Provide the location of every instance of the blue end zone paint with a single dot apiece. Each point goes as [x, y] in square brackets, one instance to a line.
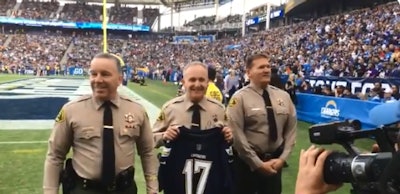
[11, 94]
[36, 108]
[37, 104]
[36, 98]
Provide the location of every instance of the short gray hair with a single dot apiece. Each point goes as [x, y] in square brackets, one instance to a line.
[112, 57]
[192, 64]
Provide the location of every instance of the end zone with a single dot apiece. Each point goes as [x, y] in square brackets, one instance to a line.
[20, 104]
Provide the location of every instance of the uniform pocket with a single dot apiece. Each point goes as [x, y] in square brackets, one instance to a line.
[129, 132]
[257, 112]
[256, 116]
[88, 133]
[282, 111]
[127, 138]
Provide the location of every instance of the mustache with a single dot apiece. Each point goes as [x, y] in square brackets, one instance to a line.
[99, 85]
[197, 88]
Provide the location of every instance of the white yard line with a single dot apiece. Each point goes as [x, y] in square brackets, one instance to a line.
[22, 142]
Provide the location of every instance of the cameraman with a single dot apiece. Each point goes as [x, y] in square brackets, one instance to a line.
[310, 178]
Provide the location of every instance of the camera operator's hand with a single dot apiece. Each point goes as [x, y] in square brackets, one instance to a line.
[375, 148]
[310, 178]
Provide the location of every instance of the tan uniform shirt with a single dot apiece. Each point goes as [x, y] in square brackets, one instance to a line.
[80, 125]
[178, 112]
[247, 117]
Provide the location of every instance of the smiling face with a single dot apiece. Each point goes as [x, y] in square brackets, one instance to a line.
[195, 81]
[104, 78]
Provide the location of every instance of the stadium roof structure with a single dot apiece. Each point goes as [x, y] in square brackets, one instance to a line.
[141, 2]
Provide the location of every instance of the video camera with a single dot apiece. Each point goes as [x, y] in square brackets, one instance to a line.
[369, 173]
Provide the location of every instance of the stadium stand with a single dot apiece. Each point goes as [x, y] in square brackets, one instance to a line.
[6, 6]
[81, 12]
[31, 9]
[123, 15]
[361, 43]
[3, 38]
[149, 15]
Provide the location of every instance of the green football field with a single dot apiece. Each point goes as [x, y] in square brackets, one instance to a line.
[21, 161]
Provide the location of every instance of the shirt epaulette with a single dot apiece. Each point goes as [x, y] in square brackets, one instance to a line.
[131, 100]
[273, 87]
[212, 100]
[175, 100]
[127, 98]
[79, 99]
[178, 99]
[82, 98]
[241, 90]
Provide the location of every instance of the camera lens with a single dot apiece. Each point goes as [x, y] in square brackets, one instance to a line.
[342, 168]
[337, 168]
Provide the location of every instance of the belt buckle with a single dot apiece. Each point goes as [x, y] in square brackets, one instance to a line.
[111, 187]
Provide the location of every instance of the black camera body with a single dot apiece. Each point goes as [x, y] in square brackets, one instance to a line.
[369, 173]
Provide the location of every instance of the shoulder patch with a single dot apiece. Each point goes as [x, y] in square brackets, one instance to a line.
[233, 101]
[61, 116]
[161, 116]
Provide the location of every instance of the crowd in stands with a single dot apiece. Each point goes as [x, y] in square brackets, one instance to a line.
[80, 11]
[6, 6]
[124, 15]
[363, 43]
[38, 10]
[211, 20]
[84, 48]
[203, 20]
[34, 51]
[149, 15]
[197, 3]
[3, 38]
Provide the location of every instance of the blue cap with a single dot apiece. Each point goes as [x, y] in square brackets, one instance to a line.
[385, 114]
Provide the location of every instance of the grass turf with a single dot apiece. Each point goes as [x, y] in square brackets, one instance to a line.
[21, 165]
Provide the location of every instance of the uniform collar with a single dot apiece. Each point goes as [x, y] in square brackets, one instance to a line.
[98, 103]
[189, 104]
[258, 89]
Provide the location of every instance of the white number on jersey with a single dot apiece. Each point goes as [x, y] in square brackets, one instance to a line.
[194, 166]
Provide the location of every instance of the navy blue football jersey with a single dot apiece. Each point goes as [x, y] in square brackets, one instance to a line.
[197, 162]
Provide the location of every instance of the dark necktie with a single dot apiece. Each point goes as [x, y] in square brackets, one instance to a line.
[196, 117]
[108, 166]
[273, 134]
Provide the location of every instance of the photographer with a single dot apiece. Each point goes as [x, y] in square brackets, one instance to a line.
[310, 176]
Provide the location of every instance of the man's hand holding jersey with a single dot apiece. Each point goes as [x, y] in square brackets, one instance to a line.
[227, 134]
[171, 133]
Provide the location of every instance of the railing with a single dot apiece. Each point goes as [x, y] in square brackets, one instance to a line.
[223, 26]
